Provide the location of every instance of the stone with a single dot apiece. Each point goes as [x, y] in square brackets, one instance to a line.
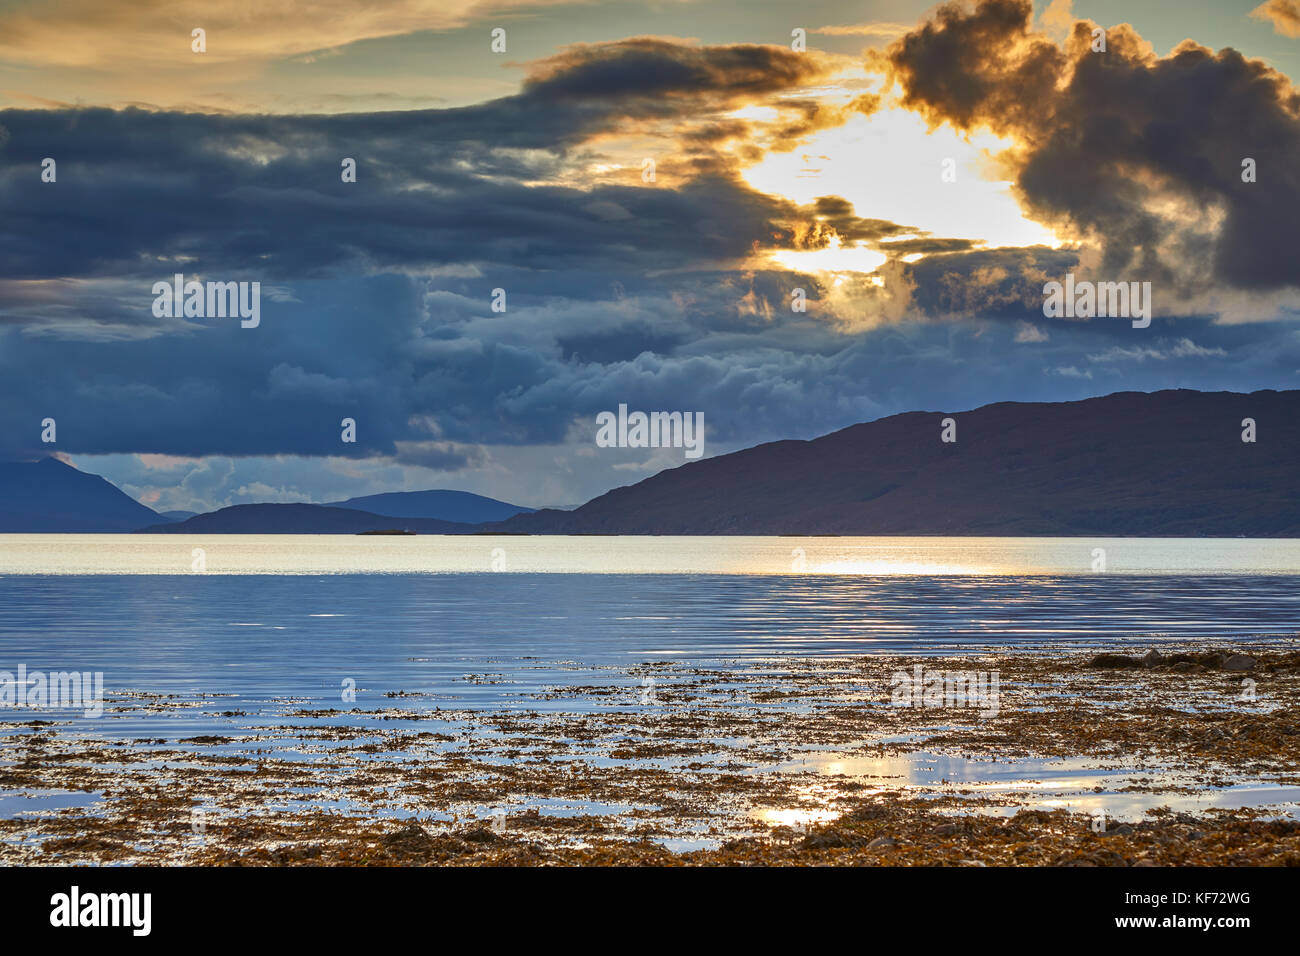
[1113, 661]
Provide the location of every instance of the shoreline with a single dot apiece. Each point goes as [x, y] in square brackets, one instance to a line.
[789, 761]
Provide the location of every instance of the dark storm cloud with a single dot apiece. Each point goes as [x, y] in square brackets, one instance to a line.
[231, 199]
[839, 214]
[376, 294]
[434, 186]
[648, 75]
[1138, 152]
[930, 246]
[596, 277]
[990, 283]
[375, 301]
[428, 374]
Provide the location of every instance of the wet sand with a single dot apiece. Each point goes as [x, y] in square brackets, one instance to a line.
[1085, 760]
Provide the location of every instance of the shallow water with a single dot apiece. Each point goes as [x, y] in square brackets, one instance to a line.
[265, 644]
[501, 640]
[274, 626]
[1076, 784]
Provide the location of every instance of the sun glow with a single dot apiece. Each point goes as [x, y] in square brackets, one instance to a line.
[797, 817]
[896, 567]
[891, 167]
[835, 258]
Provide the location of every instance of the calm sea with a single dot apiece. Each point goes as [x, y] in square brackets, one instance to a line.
[278, 621]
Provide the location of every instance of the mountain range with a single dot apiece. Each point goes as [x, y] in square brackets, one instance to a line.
[50, 495]
[1169, 463]
[461, 506]
[302, 519]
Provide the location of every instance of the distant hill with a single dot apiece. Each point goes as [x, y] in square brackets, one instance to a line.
[177, 515]
[1168, 463]
[51, 496]
[459, 506]
[300, 519]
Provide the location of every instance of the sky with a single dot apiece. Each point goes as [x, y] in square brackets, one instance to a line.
[648, 185]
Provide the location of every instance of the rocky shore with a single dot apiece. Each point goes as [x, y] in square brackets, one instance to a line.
[1169, 755]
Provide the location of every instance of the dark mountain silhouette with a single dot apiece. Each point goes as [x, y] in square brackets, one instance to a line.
[51, 496]
[300, 519]
[177, 515]
[1168, 463]
[460, 506]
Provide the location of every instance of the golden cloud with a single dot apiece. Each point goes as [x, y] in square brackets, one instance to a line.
[1283, 14]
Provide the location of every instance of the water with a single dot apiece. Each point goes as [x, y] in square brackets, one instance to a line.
[429, 554]
[278, 625]
[457, 638]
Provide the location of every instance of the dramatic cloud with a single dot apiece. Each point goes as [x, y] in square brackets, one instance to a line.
[377, 294]
[1283, 14]
[671, 291]
[658, 75]
[1141, 156]
[434, 187]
